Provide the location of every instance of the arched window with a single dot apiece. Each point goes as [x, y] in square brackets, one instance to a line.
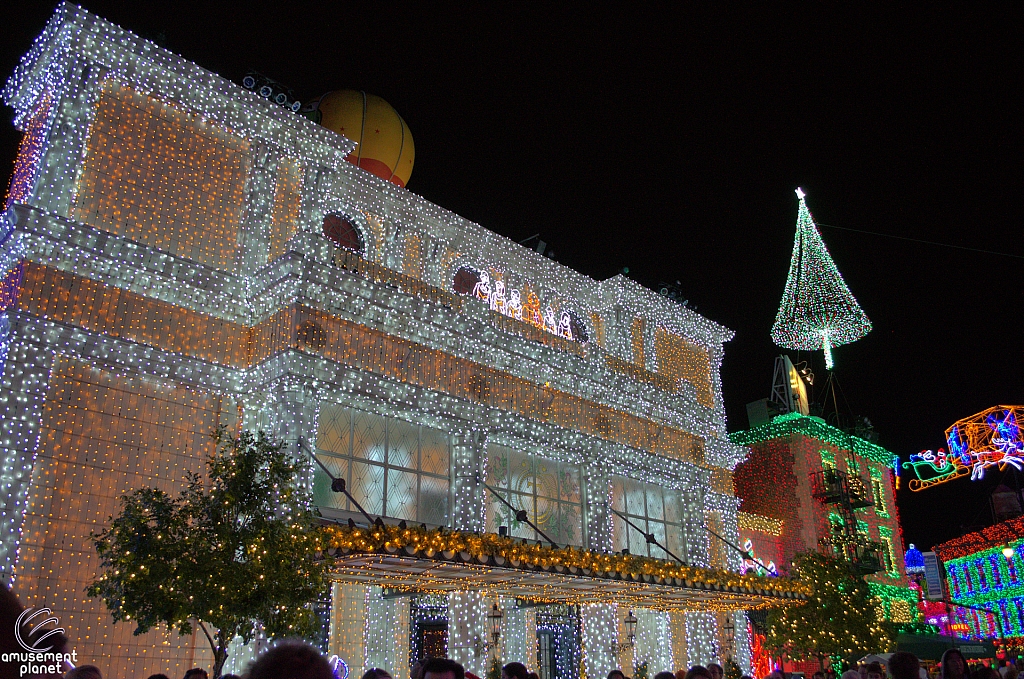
[579, 329]
[343, 233]
[311, 335]
[465, 281]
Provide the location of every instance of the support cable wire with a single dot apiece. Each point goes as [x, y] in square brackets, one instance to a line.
[919, 240]
[649, 537]
[520, 514]
[337, 484]
[742, 552]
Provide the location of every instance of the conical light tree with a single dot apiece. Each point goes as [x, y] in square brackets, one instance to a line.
[817, 311]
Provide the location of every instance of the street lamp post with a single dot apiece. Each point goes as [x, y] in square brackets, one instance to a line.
[495, 617]
[730, 635]
[630, 622]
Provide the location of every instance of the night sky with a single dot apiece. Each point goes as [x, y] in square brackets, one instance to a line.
[671, 143]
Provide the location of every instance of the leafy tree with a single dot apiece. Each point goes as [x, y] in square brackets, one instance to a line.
[235, 555]
[839, 619]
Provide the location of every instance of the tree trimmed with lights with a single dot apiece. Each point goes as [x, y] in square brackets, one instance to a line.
[838, 620]
[235, 555]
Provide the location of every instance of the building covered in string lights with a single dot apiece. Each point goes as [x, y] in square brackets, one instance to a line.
[814, 487]
[178, 253]
[985, 573]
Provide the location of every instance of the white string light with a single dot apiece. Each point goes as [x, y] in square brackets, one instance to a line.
[82, 67]
[701, 638]
[600, 636]
[468, 632]
[653, 641]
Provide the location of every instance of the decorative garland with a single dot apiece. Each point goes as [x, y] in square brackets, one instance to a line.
[385, 538]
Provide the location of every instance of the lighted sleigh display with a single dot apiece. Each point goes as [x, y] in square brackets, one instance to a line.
[992, 438]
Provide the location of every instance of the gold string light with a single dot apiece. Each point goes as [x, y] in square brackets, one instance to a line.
[67, 298]
[390, 539]
[191, 185]
[761, 524]
[286, 213]
[163, 177]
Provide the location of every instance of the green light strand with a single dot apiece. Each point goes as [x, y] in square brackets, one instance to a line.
[890, 593]
[1007, 589]
[815, 428]
[984, 553]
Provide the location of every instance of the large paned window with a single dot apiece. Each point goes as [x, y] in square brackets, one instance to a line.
[997, 577]
[828, 459]
[888, 558]
[652, 509]
[878, 492]
[393, 468]
[548, 491]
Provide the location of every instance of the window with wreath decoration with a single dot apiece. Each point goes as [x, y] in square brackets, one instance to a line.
[466, 280]
[343, 233]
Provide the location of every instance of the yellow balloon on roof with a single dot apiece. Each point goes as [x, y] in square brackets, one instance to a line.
[385, 145]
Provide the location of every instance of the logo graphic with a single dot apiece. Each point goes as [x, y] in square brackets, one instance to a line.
[339, 668]
[38, 634]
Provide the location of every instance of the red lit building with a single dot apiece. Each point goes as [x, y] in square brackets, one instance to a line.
[810, 486]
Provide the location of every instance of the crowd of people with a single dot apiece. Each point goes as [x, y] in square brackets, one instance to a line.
[289, 659]
[903, 665]
[294, 659]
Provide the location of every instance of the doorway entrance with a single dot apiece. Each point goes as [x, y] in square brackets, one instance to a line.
[558, 642]
[428, 628]
[433, 641]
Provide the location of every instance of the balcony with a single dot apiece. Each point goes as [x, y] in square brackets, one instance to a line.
[831, 486]
[860, 552]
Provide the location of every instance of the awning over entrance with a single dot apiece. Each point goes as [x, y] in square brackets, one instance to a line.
[418, 560]
[928, 647]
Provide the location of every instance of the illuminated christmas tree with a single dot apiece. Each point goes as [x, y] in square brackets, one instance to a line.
[840, 620]
[817, 311]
